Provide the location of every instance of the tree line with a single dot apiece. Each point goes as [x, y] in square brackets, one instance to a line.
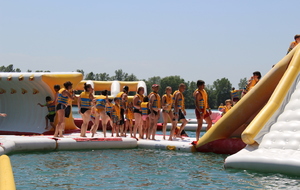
[218, 92]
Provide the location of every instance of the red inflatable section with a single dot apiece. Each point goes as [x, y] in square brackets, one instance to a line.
[223, 146]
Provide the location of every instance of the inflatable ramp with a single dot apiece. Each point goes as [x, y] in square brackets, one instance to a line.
[273, 136]
[235, 121]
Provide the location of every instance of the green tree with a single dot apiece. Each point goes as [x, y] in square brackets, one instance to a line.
[41, 71]
[80, 71]
[90, 76]
[131, 77]
[9, 68]
[151, 81]
[223, 88]
[243, 83]
[212, 98]
[102, 77]
[119, 75]
[172, 81]
[188, 94]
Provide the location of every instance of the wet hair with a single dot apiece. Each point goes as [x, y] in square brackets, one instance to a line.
[297, 36]
[104, 92]
[116, 99]
[181, 85]
[110, 100]
[168, 88]
[48, 98]
[233, 88]
[200, 83]
[139, 89]
[87, 86]
[57, 87]
[146, 99]
[125, 88]
[67, 84]
[228, 100]
[257, 73]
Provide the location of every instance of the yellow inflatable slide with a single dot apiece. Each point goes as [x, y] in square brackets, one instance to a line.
[235, 121]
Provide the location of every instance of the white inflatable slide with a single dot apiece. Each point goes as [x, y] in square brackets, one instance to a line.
[273, 136]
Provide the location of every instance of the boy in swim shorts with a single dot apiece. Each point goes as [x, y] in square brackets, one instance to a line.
[51, 111]
[116, 113]
[202, 109]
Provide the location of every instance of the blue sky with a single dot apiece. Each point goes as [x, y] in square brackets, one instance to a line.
[205, 40]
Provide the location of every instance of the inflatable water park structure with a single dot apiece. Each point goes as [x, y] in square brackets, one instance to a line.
[20, 93]
[262, 131]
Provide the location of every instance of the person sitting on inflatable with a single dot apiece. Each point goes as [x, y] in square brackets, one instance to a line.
[227, 107]
[252, 82]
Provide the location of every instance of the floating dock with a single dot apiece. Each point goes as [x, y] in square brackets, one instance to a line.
[10, 144]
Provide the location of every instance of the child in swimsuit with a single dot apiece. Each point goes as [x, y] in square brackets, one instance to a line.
[145, 118]
[116, 111]
[51, 111]
[129, 118]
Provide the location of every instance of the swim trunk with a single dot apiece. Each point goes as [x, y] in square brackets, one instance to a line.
[180, 115]
[144, 117]
[198, 115]
[122, 120]
[115, 119]
[51, 117]
[83, 110]
[235, 99]
[155, 112]
[67, 111]
[137, 111]
[60, 106]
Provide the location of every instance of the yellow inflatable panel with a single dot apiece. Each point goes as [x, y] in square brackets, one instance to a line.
[60, 79]
[245, 110]
[133, 85]
[276, 99]
[7, 181]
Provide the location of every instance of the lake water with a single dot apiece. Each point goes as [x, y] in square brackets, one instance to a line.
[137, 169]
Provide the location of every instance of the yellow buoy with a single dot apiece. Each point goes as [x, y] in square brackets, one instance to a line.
[6, 174]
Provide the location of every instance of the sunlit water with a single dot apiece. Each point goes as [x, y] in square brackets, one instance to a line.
[137, 169]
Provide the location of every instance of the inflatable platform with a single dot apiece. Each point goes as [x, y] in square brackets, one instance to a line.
[11, 144]
[21, 92]
[19, 95]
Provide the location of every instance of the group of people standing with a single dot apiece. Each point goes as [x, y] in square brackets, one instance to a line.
[144, 109]
[147, 110]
